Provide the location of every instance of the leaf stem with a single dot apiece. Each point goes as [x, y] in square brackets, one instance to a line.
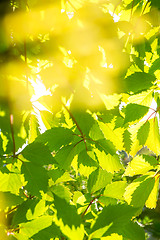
[75, 121]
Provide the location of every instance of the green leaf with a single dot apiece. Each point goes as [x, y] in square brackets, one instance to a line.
[115, 190]
[132, 231]
[67, 219]
[153, 197]
[56, 137]
[113, 135]
[33, 128]
[139, 81]
[47, 233]
[38, 154]
[143, 98]
[21, 213]
[139, 165]
[112, 219]
[62, 192]
[127, 140]
[28, 229]
[37, 210]
[11, 182]
[111, 101]
[98, 179]
[8, 199]
[106, 145]
[134, 112]
[153, 140]
[59, 176]
[65, 155]
[143, 133]
[84, 120]
[86, 164]
[37, 178]
[138, 191]
[155, 66]
[110, 163]
[95, 132]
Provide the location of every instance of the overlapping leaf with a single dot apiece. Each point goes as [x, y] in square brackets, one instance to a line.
[67, 219]
[112, 219]
[138, 191]
[139, 81]
[98, 179]
[134, 112]
[56, 137]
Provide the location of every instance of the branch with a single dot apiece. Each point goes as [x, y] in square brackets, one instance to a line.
[82, 215]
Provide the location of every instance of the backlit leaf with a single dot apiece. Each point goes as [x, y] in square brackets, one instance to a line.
[134, 112]
[110, 163]
[115, 189]
[137, 192]
[37, 178]
[11, 182]
[127, 140]
[56, 137]
[67, 219]
[143, 132]
[98, 179]
[38, 154]
[138, 166]
[152, 199]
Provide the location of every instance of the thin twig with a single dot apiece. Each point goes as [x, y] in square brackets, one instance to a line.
[73, 118]
[75, 121]
[13, 209]
[82, 215]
